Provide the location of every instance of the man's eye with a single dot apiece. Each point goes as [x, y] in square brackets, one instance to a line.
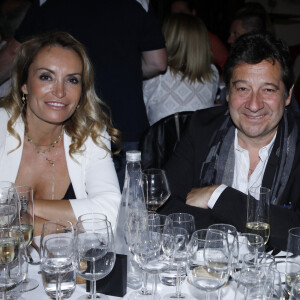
[270, 90]
[45, 77]
[242, 89]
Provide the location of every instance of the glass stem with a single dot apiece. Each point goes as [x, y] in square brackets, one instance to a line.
[178, 282]
[207, 295]
[220, 294]
[144, 290]
[154, 288]
[58, 286]
[93, 282]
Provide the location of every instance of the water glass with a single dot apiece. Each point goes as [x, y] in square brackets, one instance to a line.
[57, 259]
[8, 206]
[94, 252]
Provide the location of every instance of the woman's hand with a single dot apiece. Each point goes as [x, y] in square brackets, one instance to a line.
[200, 196]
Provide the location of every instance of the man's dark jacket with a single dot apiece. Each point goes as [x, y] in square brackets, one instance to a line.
[183, 172]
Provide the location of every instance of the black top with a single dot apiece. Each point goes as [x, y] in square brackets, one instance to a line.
[115, 33]
[70, 194]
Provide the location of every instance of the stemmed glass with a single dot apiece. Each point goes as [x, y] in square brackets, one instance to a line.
[94, 252]
[208, 262]
[186, 222]
[156, 188]
[232, 240]
[26, 224]
[57, 258]
[148, 244]
[177, 269]
[13, 260]
[8, 206]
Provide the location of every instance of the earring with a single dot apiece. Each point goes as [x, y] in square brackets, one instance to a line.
[77, 106]
[23, 99]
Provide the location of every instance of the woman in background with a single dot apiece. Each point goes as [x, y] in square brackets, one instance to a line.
[54, 135]
[191, 81]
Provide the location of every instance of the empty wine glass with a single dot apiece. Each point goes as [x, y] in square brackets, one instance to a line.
[94, 252]
[156, 188]
[57, 259]
[185, 221]
[25, 223]
[148, 243]
[176, 272]
[208, 260]
[232, 240]
[91, 216]
[8, 206]
[13, 260]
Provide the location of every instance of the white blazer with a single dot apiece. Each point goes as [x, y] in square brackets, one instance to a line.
[93, 175]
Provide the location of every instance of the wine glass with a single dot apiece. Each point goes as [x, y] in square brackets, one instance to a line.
[185, 221]
[258, 207]
[13, 260]
[92, 216]
[25, 223]
[57, 259]
[208, 260]
[8, 206]
[148, 244]
[292, 255]
[232, 240]
[247, 243]
[156, 188]
[94, 252]
[176, 272]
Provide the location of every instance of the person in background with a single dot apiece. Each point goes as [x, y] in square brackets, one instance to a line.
[219, 51]
[255, 141]
[125, 44]
[191, 81]
[54, 134]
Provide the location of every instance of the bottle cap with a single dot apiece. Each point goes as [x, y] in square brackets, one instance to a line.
[133, 155]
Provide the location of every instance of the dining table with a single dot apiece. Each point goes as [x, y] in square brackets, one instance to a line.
[228, 291]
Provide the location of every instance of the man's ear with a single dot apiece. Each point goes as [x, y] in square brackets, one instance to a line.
[24, 89]
[227, 97]
[288, 99]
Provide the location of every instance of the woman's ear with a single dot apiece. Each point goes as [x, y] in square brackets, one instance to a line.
[24, 89]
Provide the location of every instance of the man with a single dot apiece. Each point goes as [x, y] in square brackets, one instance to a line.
[253, 142]
[245, 22]
[125, 44]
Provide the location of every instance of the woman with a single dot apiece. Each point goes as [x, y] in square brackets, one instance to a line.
[191, 81]
[54, 135]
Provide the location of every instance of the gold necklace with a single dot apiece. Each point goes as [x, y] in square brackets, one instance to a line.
[38, 147]
[50, 161]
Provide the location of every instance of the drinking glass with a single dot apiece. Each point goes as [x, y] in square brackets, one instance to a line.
[92, 216]
[258, 207]
[208, 260]
[8, 206]
[295, 290]
[148, 244]
[57, 259]
[248, 243]
[292, 255]
[94, 252]
[25, 223]
[156, 188]
[185, 221]
[13, 260]
[176, 272]
[232, 240]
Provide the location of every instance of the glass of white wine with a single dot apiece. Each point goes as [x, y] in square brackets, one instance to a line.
[156, 188]
[258, 207]
[25, 223]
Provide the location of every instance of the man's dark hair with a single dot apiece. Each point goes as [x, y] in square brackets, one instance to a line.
[252, 21]
[253, 48]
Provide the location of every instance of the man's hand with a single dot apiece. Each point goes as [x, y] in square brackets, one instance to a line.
[199, 197]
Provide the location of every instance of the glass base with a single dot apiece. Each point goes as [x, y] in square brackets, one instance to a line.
[27, 285]
[137, 295]
[174, 296]
[97, 296]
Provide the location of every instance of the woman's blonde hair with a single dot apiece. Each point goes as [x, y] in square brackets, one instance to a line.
[188, 47]
[89, 119]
